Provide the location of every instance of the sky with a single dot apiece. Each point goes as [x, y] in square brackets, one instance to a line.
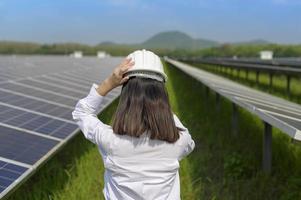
[134, 21]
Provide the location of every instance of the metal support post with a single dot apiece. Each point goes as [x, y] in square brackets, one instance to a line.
[218, 101]
[257, 77]
[267, 148]
[234, 119]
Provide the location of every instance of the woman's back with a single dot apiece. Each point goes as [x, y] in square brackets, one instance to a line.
[143, 168]
[142, 149]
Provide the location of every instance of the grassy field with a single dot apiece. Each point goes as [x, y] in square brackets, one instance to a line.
[228, 166]
[222, 166]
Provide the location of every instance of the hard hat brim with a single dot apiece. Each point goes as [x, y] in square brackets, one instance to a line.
[147, 74]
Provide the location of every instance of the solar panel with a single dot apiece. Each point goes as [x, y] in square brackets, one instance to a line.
[23, 147]
[39, 93]
[37, 96]
[278, 112]
[30, 103]
[9, 173]
[272, 110]
[63, 83]
[53, 88]
[35, 122]
[66, 77]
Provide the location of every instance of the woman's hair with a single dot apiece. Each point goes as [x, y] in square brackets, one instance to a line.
[144, 106]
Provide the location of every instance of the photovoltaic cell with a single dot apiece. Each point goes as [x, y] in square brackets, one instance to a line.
[34, 122]
[23, 147]
[65, 84]
[38, 93]
[35, 105]
[51, 88]
[3, 108]
[9, 173]
[9, 114]
[64, 130]
[73, 80]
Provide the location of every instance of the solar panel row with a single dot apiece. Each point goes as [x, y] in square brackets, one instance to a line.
[272, 110]
[37, 96]
[278, 112]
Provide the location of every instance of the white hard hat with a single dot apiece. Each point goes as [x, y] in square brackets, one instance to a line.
[147, 64]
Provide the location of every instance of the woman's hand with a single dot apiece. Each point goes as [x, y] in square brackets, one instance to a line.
[116, 78]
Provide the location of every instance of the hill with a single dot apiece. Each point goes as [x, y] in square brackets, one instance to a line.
[177, 40]
[171, 43]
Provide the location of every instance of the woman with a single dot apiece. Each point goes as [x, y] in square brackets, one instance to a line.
[142, 149]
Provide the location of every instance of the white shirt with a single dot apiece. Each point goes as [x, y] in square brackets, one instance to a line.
[135, 168]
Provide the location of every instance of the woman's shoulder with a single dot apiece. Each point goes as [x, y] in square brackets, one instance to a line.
[178, 122]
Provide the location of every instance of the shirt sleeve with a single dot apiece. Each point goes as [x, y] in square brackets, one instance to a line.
[85, 115]
[186, 140]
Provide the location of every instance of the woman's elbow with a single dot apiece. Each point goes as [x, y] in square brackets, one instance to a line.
[79, 111]
[76, 115]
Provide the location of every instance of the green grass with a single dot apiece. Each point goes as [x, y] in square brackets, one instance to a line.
[228, 166]
[222, 165]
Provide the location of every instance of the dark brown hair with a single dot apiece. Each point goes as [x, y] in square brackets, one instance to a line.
[144, 106]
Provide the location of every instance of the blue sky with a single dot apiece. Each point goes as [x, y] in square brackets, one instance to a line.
[133, 21]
